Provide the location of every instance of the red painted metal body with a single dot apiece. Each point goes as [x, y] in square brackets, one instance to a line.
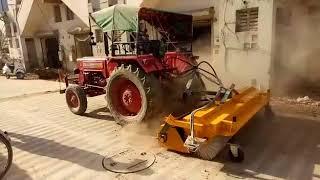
[93, 72]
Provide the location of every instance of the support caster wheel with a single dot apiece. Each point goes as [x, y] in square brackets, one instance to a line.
[236, 154]
[268, 113]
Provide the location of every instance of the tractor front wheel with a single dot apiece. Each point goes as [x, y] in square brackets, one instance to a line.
[76, 99]
[131, 94]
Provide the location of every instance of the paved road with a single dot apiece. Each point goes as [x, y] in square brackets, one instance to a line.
[18, 88]
[51, 143]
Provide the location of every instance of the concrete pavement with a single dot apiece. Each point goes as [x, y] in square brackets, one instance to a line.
[49, 142]
[18, 88]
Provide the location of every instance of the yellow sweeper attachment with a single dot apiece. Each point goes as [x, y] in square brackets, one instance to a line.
[206, 130]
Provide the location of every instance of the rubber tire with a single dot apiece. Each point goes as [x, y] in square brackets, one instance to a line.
[10, 154]
[238, 159]
[7, 76]
[148, 86]
[20, 75]
[268, 113]
[82, 98]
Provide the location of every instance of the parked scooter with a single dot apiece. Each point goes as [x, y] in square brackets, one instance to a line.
[14, 69]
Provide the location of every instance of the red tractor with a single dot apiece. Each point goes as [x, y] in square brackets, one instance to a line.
[145, 49]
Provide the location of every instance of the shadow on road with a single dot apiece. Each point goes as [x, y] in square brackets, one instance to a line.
[52, 149]
[17, 173]
[56, 150]
[101, 113]
[280, 148]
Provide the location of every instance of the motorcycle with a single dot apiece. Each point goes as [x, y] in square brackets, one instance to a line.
[6, 153]
[14, 69]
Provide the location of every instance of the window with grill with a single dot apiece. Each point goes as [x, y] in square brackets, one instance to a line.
[57, 13]
[17, 43]
[99, 35]
[14, 27]
[69, 13]
[8, 30]
[112, 2]
[10, 43]
[247, 19]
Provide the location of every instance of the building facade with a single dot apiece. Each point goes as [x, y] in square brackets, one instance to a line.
[235, 36]
[12, 30]
[51, 34]
[239, 38]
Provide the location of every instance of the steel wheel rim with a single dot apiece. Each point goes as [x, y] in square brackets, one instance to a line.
[72, 99]
[126, 97]
[4, 158]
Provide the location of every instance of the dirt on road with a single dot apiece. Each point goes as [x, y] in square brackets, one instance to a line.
[50, 142]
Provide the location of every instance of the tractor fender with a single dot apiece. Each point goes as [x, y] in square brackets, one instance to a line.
[148, 63]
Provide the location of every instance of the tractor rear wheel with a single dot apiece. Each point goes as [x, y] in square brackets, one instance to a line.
[76, 99]
[132, 94]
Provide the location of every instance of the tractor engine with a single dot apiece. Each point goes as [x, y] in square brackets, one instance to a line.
[95, 79]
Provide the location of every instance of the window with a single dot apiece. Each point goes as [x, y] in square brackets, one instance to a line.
[10, 43]
[247, 19]
[69, 13]
[8, 30]
[57, 13]
[99, 35]
[112, 2]
[17, 43]
[14, 27]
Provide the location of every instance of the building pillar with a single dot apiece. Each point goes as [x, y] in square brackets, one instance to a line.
[24, 53]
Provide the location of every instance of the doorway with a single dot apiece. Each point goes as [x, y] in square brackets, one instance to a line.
[32, 54]
[52, 53]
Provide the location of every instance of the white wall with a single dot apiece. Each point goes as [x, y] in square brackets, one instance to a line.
[234, 63]
[40, 21]
[80, 8]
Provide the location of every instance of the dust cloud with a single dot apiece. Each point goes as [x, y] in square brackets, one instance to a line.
[297, 50]
[142, 135]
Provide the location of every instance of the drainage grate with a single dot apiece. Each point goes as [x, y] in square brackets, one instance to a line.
[128, 161]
